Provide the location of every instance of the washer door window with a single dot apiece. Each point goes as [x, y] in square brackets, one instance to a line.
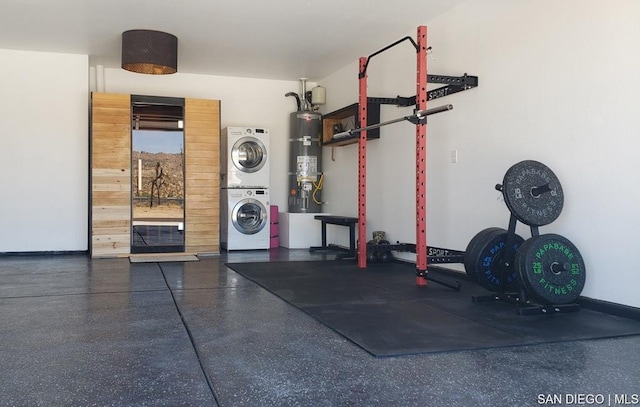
[249, 154]
[249, 216]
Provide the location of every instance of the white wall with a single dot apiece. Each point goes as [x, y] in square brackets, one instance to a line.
[44, 143]
[43, 150]
[558, 84]
[244, 102]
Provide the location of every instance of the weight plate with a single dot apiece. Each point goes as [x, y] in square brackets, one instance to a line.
[470, 253]
[519, 261]
[488, 262]
[532, 193]
[551, 269]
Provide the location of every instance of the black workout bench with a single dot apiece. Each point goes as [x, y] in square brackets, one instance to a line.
[341, 221]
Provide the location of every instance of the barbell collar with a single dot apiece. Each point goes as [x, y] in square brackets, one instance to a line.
[423, 113]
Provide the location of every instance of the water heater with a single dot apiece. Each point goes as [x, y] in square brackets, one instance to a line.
[305, 157]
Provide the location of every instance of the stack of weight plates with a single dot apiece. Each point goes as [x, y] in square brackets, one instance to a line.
[549, 267]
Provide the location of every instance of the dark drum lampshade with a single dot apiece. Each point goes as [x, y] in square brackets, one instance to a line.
[149, 52]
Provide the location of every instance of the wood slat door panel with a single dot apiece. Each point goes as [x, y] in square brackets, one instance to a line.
[110, 175]
[202, 169]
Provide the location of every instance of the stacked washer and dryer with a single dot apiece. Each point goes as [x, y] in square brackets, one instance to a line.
[244, 195]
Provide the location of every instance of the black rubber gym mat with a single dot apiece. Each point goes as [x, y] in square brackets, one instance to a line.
[383, 311]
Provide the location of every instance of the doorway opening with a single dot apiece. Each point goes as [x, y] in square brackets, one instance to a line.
[157, 176]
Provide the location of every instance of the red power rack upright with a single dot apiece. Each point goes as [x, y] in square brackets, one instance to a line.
[421, 158]
[362, 165]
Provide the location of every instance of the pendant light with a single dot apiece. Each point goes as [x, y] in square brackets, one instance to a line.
[149, 52]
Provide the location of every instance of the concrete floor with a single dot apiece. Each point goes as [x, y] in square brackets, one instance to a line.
[82, 332]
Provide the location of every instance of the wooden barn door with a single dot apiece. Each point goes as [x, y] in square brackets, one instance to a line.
[110, 176]
[110, 212]
[202, 175]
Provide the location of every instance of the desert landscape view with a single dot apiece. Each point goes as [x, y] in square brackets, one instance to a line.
[162, 176]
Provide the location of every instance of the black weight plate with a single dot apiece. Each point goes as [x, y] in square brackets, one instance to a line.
[470, 253]
[551, 269]
[488, 263]
[533, 193]
[519, 262]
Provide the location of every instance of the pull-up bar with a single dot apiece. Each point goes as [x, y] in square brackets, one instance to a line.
[363, 71]
[414, 118]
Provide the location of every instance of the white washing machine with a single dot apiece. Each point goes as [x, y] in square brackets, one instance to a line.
[245, 157]
[244, 218]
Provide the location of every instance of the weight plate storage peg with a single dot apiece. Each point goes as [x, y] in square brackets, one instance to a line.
[551, 269]
[470, 254]
[488, 261]
[532, 193]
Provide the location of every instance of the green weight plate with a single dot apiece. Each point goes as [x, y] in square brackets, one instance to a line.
[470, 253]
[533, 193]
[551, 269]
[489, 259]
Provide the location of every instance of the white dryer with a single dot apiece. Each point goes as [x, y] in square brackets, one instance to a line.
[244, 221]
[244, 157]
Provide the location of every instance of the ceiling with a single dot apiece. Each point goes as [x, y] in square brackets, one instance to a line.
[274, 39]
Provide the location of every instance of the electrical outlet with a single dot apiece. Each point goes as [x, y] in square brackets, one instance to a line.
[454, 156]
